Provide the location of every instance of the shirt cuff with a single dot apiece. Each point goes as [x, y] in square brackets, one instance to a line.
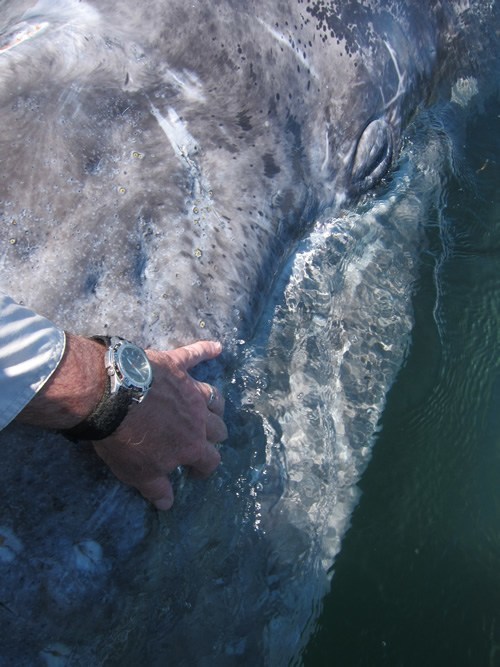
[31, 348]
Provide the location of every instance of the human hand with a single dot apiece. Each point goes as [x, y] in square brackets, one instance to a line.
[178, 423]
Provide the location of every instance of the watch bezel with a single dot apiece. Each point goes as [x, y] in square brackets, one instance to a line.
[118, 371]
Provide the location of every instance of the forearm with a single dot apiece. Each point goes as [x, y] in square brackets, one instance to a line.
[56, 381]
[74, 389]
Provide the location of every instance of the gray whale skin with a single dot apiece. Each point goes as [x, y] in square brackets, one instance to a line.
[179, 170]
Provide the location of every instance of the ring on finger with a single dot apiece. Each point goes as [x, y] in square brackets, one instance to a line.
[212, 397]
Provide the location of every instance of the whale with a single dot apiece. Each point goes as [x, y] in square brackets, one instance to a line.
[259, 173]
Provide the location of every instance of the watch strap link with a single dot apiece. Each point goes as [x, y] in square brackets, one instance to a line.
[105, 419]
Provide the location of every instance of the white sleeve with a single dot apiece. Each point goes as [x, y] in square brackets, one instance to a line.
[31, 348]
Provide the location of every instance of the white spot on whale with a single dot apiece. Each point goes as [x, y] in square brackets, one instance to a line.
[401, 78]
[326, 159]
[186, 147]
[176, 132]
[19, 33]
[189, 84]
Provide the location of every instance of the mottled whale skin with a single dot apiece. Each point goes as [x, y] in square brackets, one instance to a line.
[160, 162]
[174, 152]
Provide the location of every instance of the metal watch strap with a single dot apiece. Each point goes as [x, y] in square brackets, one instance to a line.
[108, 414]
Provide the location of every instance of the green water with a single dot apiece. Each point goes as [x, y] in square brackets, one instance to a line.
[418, 579]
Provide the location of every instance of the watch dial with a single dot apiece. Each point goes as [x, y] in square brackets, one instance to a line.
[135, 365]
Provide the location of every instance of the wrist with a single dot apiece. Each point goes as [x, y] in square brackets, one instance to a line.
[129, 376]
[74, 389]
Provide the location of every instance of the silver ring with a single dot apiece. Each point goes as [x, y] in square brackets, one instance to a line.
[212, 397]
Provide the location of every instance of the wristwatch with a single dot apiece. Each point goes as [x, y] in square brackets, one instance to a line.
[128, 367]
[129, 378]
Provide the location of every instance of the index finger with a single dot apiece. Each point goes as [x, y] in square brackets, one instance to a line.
[192, 355]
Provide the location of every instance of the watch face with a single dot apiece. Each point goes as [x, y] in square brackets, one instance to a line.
[134, 365]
